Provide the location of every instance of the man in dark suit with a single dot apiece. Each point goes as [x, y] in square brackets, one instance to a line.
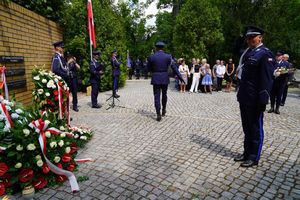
[96, 69]
[258, 65]
[115, 63]
[279, 82]
[158, 64]
[58, 65]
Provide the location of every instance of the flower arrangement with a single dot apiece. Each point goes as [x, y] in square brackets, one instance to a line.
[37, 150]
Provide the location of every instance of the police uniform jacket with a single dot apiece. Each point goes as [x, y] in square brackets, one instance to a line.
[115, 66]
[257, 77]
[59, 66]
[158, 64]
[95, 68]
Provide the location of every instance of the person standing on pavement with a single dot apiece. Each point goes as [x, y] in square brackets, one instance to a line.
[220, 72]
[96, 69]
[59, 65]
[115, 63]
[158, 64]
[285, 90]
[258, 65]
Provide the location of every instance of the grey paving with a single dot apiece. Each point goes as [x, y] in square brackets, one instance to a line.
[188, 155]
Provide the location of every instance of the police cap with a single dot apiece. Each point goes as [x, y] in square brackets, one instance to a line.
[96, 53]
[58, 44]
[279, 53]
[253, 31]
[160, 44]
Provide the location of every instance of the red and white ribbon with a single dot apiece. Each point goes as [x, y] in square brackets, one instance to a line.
[78, 160]
[61, 91]
[6, 115]
[3, 81]
[40, 128]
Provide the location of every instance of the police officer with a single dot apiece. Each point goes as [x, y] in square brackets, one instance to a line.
[115, 72]
[289, 76]
[58, 65]
[279, 83]
[158, 64]
[73, 81]
[96, 69]
[258, 65]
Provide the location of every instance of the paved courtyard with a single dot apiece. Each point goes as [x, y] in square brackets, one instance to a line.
[188, 155]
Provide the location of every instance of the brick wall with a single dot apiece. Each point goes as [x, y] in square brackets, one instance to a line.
[25, 33]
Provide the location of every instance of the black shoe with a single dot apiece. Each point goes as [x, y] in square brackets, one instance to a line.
[271, 110]
[116, 95]
[282, 104]
[240, 158]
[277, 111]
[158, 118]
[96, 106]
[75, 109]
[163, 112]
[249, 163]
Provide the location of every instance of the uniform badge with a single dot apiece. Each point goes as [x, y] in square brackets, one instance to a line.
[257, 49]
[270, 59]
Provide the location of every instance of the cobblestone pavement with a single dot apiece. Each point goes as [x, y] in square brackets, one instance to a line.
[188, 155]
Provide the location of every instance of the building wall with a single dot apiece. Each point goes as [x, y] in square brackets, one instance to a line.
[25, 33]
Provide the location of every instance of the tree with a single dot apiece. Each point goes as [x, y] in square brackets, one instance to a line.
[164, 27]
[197, 30]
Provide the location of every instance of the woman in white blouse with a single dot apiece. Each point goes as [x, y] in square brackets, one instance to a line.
[196, 77]
[184, 71]
[221, 69]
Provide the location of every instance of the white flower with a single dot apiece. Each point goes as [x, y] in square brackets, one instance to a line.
[37, 78]
[68, 149]
[19, 147]
[56, 159]
[62, 128]
[18, 165]
[1, 98]
[26, 132]
[31, 147]
[19, 111]
[2, 117]
[76, 136]
[50, 84]
[48, 134]
[44, 80]
[40, 91]
[53, 144]
[83, 137]
[56, 80]
[39, 163]
[38, 157]
[62, 135]
[47, 94]
[6, 128]
[8, 107]
[61, 143]
[14, 116]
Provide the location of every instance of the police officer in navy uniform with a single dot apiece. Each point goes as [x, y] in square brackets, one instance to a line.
[96, 69]
[115, 63]
[279, 83]
[258, 65]
[73, 67]
[58, 65]
[158, 64]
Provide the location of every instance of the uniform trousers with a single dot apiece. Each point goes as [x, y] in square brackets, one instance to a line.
[284, 95]
[74, 89]
[277, 91]
[157, 90]
[195, 83]
[95, 91]
[252, 123]
[115, 83]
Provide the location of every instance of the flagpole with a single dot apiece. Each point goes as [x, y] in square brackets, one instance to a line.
[91, 50]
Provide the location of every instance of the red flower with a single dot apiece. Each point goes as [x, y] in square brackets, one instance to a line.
[73, 148]
[60, 178]
[71, 167]
[3, 168]
[60, 83]
[39, 183]
[2, 189]
[56, 98]
[59, 165]
[55, 92]
[25, 175]
[6, 180]
[45, 168]
[66, 157]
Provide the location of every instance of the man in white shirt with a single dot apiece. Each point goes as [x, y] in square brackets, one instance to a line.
[220, 71]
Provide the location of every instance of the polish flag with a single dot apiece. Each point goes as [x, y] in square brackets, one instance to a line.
[91, 24]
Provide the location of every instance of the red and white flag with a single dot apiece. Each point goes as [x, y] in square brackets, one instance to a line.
[91, 24]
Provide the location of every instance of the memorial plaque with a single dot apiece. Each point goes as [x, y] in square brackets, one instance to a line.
[15, 72]
[16, 84]
[11, 59]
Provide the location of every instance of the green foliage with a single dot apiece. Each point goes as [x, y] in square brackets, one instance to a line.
[165, 26]
[197, 29]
